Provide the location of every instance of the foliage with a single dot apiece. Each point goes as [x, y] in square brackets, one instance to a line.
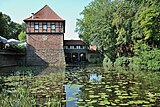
[107, 62]
[4, 24]
[95, 59]
[148, 23]
[22, 36]
[18, 48]
[107, 26]
[121, 28]
[20, 98]
[96, 29]
[148, 59]
[115, 87]
[15, 29]
[25, 90]
[123, 61]
[91, 86]
[8, 28]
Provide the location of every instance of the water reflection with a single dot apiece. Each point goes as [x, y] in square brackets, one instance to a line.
[72, 94]
[95, 77]
[101, 88]
[81, 86]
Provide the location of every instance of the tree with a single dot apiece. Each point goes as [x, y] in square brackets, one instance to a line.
[22, 36]
[121, 28]
[96, 26]
[15, 30]
[149, 23]
[4, 24]
[8, 28]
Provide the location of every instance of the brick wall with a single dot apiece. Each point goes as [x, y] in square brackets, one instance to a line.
[48, 41]
[45, 49]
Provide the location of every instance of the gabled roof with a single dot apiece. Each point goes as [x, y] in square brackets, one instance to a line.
[44, 14]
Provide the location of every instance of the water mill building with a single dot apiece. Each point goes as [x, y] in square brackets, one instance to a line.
[45, 36]
[45, 41]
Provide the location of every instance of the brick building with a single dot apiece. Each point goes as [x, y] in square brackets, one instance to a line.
[76, 51]
[45, 35]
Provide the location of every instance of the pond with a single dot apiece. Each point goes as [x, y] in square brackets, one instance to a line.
[78, 86]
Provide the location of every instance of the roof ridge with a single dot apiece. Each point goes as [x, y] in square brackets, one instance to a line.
[41, 9]
[45, 13]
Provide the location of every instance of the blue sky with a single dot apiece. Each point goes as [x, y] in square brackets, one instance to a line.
[67, 9]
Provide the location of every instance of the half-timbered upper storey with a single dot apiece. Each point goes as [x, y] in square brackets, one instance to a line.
[45, 21]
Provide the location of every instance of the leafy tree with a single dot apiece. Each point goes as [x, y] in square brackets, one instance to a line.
[22, 36]
[8, 28]
[121, 28]
[122, 21]
[96, 26]
[4, 24]
[108, 25]
[149, 23]
[23, 27]
[15, 30]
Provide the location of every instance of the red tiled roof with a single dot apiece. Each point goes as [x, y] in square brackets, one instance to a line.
[93, 47]
[73, 42]
[46, 13]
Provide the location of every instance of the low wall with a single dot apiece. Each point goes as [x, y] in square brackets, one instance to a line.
[52, 57]
[12, 59]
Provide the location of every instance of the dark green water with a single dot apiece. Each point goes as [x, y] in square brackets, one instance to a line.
[81, 86]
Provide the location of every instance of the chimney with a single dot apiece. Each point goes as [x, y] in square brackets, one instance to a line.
[32, 15]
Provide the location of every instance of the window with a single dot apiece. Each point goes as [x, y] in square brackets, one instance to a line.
[67, 47]
[44, 27]
[53, 26]
[75, 47]
[71, 47]
[36, 27]
[81, 47]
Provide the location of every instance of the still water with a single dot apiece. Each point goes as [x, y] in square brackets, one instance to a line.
[78, 86]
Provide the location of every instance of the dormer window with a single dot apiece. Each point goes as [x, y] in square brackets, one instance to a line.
[44, 27]
[36, 27]
[53, 26]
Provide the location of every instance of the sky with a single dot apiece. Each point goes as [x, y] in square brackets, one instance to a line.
[69, 10]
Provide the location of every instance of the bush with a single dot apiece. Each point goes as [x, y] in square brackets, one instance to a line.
[19, 48]
[22, 36]
[123, 61]
[148, 60]
[95, 59]
[107, 62]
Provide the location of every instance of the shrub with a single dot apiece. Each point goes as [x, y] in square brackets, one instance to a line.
[22, 36]
[20, 48]
[107, 62]
[122, 61]
[148, 60]
[95, 59]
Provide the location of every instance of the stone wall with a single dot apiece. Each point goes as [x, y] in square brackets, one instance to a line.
[11, 59]
[45, 49]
